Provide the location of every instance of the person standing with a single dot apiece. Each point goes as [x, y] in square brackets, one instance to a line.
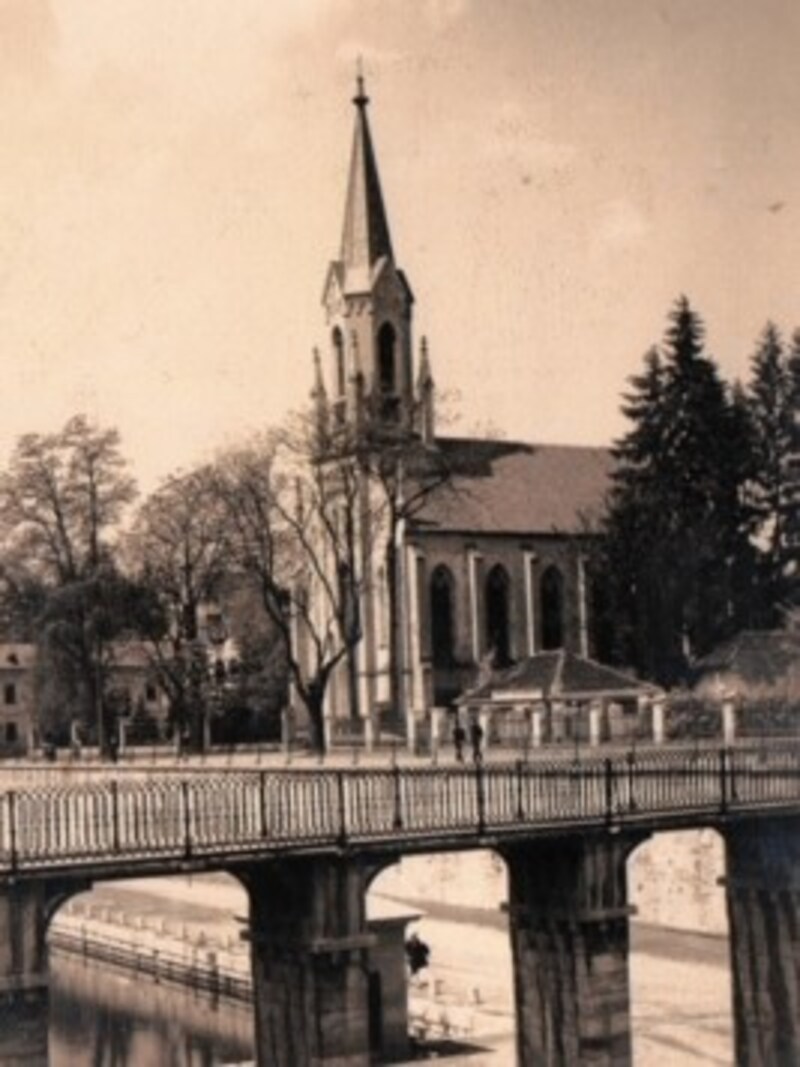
[459, 737]
[476, 739]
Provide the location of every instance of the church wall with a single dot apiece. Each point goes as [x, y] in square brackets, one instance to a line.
[454, 550]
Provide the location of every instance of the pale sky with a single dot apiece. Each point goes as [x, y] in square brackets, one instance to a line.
[555, 172]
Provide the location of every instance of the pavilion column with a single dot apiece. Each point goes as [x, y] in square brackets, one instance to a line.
[763, 894]
[569, 938]
[529, 562]
[309, 945]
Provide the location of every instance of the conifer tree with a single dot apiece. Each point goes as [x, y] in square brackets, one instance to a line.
[770, 409]
[677, 534]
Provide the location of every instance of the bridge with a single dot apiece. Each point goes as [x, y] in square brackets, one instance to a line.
[307, 843]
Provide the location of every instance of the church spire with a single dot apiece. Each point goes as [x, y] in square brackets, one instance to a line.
[365, 237]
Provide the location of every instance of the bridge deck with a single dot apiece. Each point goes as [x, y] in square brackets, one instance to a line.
[215, 818]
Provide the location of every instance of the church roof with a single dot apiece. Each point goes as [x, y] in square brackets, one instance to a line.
[513, 487]
[365, 237]
[558, 674]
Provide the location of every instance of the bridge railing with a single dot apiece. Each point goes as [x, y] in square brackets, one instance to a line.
[242, 811]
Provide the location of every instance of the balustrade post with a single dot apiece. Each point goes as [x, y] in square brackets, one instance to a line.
[723, 780]
[342, 807]
[11, 797]
[115, 817]
[631, 761]
[262, 802]
[187, 819]
[608, 775]
[397, 822]
[480, 797]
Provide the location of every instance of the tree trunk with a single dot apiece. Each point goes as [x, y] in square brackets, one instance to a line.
[314, 699]
[394, 635]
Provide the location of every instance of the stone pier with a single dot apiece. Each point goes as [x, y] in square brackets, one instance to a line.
[310, 945]
[23, 974]
[763, 895]
[568, 912]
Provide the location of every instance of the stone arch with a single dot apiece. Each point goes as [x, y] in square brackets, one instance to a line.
[551, 592]
[442, 597]
[387, 368]
[498, 614]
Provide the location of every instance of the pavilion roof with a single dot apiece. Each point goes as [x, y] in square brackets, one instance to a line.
[557, 675]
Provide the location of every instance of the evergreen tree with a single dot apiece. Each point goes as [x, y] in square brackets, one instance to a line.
[677, 537]
[769, 400]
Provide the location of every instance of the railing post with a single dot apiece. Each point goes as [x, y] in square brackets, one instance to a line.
[520, 809]
[262, 802]
[397, 822]
[342, 811]
[609, 789]
[480, 796]
[115, 817]
[631, 780]
[187, 819]
[12, 827]
[723, 780]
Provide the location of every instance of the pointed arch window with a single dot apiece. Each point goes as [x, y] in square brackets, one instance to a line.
[387, 343]
[337, 340]
[551, 591]
[442, 628]
[498, 600]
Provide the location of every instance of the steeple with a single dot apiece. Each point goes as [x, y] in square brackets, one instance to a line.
[368, 303]
[365, 237]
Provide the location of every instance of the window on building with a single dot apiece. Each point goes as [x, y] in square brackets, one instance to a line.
[10, 693]
[337, 340]
[12, 733]
[442, 629]
[386, 358]
[151, 693]
[551, 592]
[497, 615]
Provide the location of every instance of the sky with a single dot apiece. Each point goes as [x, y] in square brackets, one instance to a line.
[556, 173]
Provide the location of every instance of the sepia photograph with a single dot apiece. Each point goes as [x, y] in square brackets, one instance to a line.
[400, 533]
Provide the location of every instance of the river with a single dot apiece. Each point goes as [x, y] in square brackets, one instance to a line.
[102, 1017]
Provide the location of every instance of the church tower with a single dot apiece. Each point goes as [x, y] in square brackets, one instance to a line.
[368, 304]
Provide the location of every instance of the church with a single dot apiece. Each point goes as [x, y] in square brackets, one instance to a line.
[490, 568]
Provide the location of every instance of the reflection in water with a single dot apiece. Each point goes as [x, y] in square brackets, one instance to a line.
[101, 1017]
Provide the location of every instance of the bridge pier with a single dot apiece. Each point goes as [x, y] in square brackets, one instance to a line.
[568, 912]
[309, 960]
[23, 974]
[763, 896]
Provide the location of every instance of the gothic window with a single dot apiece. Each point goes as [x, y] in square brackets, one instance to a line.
[497, 615]
[552, 599]
[442, 633]
[338, 359]
[10, 693]
[386, 358]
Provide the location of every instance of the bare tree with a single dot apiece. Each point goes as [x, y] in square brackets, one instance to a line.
[295, 520]
[62, 499]
[180, 548]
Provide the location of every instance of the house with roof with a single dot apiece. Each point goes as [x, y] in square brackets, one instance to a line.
[17, 696]
[754, 665]
[492, 566]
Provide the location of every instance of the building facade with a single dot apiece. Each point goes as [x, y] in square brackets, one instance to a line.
[490, 564]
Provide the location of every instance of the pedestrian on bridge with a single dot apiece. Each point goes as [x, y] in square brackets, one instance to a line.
[476, 740]
[459, 738]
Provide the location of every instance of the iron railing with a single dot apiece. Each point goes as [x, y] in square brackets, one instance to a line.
[214, 815]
